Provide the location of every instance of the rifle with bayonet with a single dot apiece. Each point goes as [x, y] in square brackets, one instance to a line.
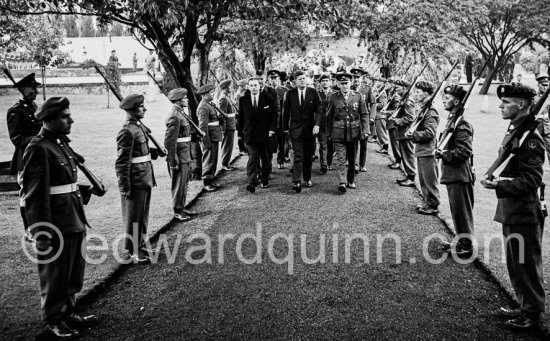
[160, 149]
[405, 96]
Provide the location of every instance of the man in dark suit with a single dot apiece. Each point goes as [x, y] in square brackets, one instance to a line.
[282, 139]
[257, 123]
[302, 119]
[274, 101]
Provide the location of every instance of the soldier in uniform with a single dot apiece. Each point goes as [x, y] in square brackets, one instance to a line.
[241, 90]
[326, 148]
[543, 117]
[347, 122]
[210, 124]
[380, 120]
[424, 138]
[177, 141]
[519, 209]
[394, 98]
[456, 169]
[368, 95]
[55, 212]
[134, 171]
[229, 124]
[22, 127]
[274, 79]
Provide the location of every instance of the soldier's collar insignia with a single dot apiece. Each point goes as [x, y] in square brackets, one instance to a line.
[531, 144]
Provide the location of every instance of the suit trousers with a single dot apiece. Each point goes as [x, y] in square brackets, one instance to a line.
[303, 154]
[227, 146]
[346, 151]
[428, 176]
[525, 270]
[361, 157]
[135, 217]
[461, 200]
[395, 145]
[209, 163]
[381, 131]
[242, 147]
[330, 152]
[282, 146]
[322, 138]
[180, 181]
[257, 155]
[406, 148]
[61, 278]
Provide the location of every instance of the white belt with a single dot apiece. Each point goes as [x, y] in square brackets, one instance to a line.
[63, 189]
[184, 139]
[217, 123]
[230, 115]
[141, 159]
[504, 178]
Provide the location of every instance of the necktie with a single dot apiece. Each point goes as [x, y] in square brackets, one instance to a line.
[254, 104]
[302, 97]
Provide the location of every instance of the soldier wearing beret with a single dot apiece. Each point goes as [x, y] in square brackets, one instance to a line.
[519, 208]
[210, 124]
[347, 122]
[424, 138]
[229, 124]
[326, 147]
[456, 169]
[543, 116]
[134, 171]
[22, 127]
[55, 212]
[177, 141]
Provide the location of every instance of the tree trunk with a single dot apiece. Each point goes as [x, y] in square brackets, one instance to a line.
[204, 65]
[491, 73]
[259, 59]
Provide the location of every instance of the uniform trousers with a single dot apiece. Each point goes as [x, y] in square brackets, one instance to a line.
[282, 146]
[135, 217]
[330, 152]
[61, 278]
[209, 163]
[227, 146]
[361, 157]
[180, 181]
[303, 154]
[381, 131]
[257, 157]
[545, 137]
[406, 149]
[394, 145]
[346, 151]
[428, 176]
[526, 274]
[322, 138]
[22, 200]
[461, 200]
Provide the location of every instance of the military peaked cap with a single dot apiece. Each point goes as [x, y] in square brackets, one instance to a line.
[543, 78]
[176, 94]
[27, 81]
[402, 83]
[51, 106]
[205, 89]
[273, 73]
[225, 84]
[516, 90]
[324, 76]
[131, 102]
[357, 72]
[343, 77]
[456, 91]
[425, 86]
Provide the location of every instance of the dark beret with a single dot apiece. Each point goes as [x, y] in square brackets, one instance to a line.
[456, 91]
[425, 86]
[516, 90]
[298, 73]
[225, 84]
[176, 94]
[343, 77]
[51, 106]
[27, 81]
[273, 73]
[131, 102]
[205, 89]
[357, 72]
[324, 76]
[543, 78]
[402, 83]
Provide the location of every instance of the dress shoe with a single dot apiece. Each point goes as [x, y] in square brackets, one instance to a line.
[508, 313]
[407, 183]
[28, 236]
[251, 188]
[394, 166]
[445, 246]
[62, 332]
[264, 185]
[382, 151]
[419, 206]
[356, 170]
[308, 184]
[401, 180]
[372, 140]
[342, 187]
[216, 186]
[425, 210]
[209, 188]
[324, 169]
[351, 185]
[189, 212]
[363, 169]
[181, 217]
[78, 321]
[522, 322]
[227, 168]
[297, 187]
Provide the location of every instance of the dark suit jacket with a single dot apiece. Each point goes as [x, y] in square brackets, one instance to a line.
[298, 118]
[255, 124]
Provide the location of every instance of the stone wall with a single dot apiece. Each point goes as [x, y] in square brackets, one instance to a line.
[82, 89]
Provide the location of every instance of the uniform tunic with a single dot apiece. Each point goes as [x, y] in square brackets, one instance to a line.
[229, 127]
[403, 121]
[210, 124]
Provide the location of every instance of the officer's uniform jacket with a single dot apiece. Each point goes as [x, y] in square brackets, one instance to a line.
[229, 122]
[342, 115]
[209, 123]
[325, 99]
[424, 137]
[177, 139]
[394, 103]
[404, 119]
[22, 127]
[133, 164]
[50, 183]
[380, 103]
[370, 100]
[518, 200]
[456, 165]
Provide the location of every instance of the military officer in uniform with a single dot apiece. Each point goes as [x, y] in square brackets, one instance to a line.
[177, 141]
[519, 209]
[55, 212]
[394, 98]
[368, 95]
[134, 171]
[380, 119]
[326, 148]
[347, 122]
[210, 124]
[456, 170]
[274, 80]
[22, 127]
[543, 117]
[229, 124]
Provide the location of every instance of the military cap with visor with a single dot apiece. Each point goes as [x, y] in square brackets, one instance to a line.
[343, 77]
[27, 81]
[357, 72]
[543, 79]
[273, 73]
[225, 84]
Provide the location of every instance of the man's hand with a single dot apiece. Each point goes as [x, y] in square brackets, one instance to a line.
[271, 133]
[43, 244]
[489, 184]
[316, 130]
[438, 154]
[408, 135]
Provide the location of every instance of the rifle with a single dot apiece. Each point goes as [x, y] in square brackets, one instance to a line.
[160, 149]
[508, 151]
[193, 124]
[218, 81]
[463, 106]
[429, 102]
[406, 95]
[406, 71]
[10, 77]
